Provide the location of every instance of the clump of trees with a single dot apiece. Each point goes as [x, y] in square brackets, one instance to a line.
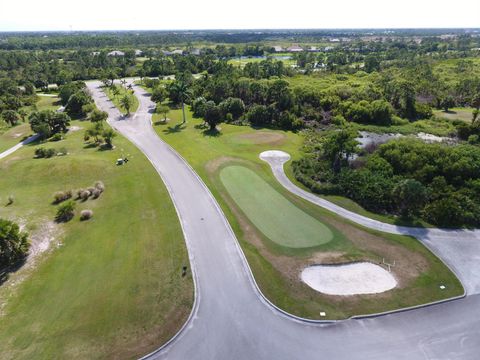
[405, 177]
[47, 123]
[14, 243]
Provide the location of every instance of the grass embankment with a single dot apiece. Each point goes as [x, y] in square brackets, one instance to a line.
[10, 136]
[277, 267]
[116, 99]
[113, 289]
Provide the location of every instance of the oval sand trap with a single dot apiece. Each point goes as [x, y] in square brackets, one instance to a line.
[348, 279]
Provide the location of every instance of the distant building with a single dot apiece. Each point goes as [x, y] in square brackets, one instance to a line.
[116, 53]
[278, 48]
[174, 52]
[195, 52]
[138, 52]
[95, 53]
[313, 49]
[294, 48]
[334, 40]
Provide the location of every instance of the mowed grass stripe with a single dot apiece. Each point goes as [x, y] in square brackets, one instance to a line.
[275, 216]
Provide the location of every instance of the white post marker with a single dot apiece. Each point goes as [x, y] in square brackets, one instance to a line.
[323, 313]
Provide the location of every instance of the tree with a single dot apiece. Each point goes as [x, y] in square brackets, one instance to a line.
[213, 115]
[48, 122]
[11, 117]
[180, 93]
[126, 102]
[108, 135]
[67, 90]
[76, 103]
[94, 131]
[338, 146]
[159, 94]
[371, 63]
[447, 102]
[162, 109]
[98, 115]
[410, 196]
[14, 244]
[234, 106]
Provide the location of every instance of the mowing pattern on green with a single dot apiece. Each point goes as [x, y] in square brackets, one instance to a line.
[275, 216]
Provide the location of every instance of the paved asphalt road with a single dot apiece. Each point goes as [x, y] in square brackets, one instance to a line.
[231, 320]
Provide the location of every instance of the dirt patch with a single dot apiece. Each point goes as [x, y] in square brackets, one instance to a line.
[42, 240]
[408, 264]
[264, 137]
[74, 128]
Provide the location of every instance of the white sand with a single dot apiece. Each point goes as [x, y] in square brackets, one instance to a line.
[348, 279]
[275, 155]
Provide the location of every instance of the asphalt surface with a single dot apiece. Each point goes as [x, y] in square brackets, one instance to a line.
[232, 320]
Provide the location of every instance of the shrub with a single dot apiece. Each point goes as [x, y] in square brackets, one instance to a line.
[86, 215]
[61, 196]
[66, 211]
[79, 193]
[13, 243]
[96, 193]
[11, 200]
[56, 137]
[100, 186]
[44, 153]
[84, 195]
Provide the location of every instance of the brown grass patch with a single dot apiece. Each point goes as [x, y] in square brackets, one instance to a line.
[264, 137]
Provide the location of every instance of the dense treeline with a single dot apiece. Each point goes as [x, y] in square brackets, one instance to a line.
[407, 177]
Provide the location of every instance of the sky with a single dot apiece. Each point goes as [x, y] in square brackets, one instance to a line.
[46, 15]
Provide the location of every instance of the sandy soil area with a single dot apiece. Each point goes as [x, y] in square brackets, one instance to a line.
[348, 279]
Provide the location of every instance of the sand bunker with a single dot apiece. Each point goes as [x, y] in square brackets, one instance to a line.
[348, 279]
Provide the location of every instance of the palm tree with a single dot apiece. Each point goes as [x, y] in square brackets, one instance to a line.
[126, 102]
[123, 82]
[183, 94]
[115, 91]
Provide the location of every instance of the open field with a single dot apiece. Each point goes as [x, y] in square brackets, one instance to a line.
[116, 99]
[277, 268]
[241, 62]
[109, 287]
[464, 114]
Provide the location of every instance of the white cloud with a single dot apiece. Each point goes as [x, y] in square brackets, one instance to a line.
[245, 14]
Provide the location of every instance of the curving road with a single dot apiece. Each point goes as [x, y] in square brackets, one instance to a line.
[232, 320]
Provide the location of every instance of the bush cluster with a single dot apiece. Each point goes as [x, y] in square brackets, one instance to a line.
[66, 209]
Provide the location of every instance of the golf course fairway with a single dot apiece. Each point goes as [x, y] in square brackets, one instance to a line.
[274, 215]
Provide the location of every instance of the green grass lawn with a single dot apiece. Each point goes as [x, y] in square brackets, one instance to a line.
[13, 135]
[113, 288]
[245, 198]
[275, 216]
[116, 99]
[464, 114]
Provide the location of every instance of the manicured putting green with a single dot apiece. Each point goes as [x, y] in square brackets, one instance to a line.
[275, 216]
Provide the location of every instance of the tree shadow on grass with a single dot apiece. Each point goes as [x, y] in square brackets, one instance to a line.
[5, 272]
[174, 129]
[212, 132]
